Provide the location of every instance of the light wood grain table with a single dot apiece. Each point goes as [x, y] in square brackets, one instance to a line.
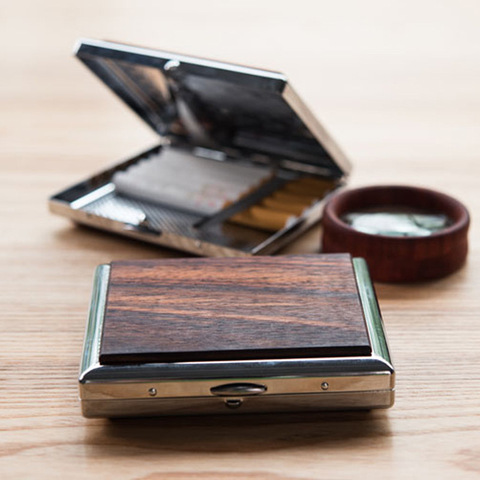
[396, 83]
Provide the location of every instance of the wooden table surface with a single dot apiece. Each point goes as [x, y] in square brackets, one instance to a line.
[396, 83]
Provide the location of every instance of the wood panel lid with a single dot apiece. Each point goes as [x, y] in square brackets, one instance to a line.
[233, 308]
[393, 257]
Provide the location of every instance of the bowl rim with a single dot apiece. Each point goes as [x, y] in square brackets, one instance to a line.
[460, 221]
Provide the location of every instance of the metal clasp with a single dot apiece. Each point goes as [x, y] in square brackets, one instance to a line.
[238, 390]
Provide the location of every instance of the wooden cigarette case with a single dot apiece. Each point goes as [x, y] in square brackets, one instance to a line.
[267, 334]
[211, 112]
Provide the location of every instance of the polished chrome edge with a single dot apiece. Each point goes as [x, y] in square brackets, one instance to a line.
[373, 318]
[92, 196]
[90, 45]
[274, 386]
[93, 331]
[328, 143]
[281, 377]
[256, 404]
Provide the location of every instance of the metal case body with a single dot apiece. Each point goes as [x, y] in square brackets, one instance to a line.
[245, 386]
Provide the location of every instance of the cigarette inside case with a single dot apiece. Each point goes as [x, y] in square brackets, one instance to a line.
[205, 186]
[285, 205]
[179, 179]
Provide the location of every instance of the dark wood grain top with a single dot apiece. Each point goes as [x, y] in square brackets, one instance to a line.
[233, 308]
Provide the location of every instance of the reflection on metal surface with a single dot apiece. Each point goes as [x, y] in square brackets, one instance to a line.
[94, 195]
[213, 103]
[93, 331]
[373, 319]
[258, 404]
[208, 387]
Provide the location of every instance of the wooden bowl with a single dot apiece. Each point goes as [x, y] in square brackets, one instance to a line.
[396, 258]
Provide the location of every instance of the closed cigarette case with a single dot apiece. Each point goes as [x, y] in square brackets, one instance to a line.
[237, 335]
[228, 116]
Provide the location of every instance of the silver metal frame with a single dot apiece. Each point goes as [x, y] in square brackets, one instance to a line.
[255, 385]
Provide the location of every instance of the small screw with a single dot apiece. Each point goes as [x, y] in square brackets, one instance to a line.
[152, 391]
[325, 386]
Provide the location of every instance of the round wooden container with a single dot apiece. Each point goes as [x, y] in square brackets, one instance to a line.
[398, 258]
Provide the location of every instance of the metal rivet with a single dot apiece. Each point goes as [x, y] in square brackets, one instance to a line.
[152, 391]
[198, 243]
[325, 386]
[171, 65]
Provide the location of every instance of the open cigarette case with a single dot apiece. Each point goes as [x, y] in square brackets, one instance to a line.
[218, 335]
[241, 167]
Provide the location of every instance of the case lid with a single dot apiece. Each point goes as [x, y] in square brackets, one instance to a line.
[235, 109]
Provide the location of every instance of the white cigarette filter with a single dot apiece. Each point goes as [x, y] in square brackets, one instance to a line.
[182, 180]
